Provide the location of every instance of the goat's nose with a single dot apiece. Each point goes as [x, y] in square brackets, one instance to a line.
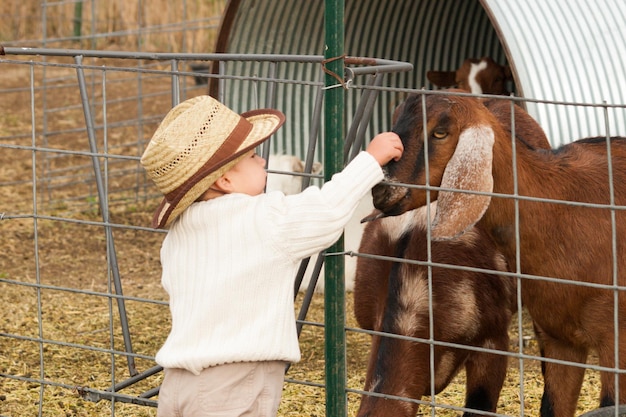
[379, 192]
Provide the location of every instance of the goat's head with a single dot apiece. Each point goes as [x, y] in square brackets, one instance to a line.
[478, 76]
[451, 138]
[283, 165]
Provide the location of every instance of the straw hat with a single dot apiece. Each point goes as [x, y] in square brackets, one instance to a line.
[197, 142]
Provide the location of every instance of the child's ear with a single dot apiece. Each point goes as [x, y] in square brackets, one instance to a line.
[223, 184]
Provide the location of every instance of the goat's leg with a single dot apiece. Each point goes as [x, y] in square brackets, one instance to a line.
[485, 376]
[607, 393]
[562, 383]
[606, 355]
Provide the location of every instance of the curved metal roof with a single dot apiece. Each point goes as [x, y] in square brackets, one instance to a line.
[562, 50]
[570, 51]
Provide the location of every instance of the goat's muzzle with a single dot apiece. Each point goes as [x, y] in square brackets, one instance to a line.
[389, 200]
[374, 215]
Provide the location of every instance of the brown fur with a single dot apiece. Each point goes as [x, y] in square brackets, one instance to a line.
[469, 308]
[492, 79]
[569, 242]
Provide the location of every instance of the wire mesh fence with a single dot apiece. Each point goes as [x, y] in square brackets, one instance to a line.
[82, 236]
[184, 26]
[80, 271]
[83, 184]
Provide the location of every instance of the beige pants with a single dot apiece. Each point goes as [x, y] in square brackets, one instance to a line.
[232, 390]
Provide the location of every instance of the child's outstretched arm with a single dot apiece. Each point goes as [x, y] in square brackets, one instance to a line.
[385, 146]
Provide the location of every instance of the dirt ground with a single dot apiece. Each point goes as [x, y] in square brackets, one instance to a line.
[55, 274]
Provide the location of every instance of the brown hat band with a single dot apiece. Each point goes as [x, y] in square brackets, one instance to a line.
[224, 154]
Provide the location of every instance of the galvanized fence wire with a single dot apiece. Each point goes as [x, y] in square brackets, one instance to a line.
[93, 24]
[520, 355]
[110, 154]
[106, 152]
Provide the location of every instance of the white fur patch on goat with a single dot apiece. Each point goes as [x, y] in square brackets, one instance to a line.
[375, 383]
[500, 262]
[414, 294]
[469, 169]
[475, 69]
[281, 180]
[466, 319]
[396, 226]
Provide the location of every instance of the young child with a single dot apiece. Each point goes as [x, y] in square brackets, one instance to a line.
[232, 252]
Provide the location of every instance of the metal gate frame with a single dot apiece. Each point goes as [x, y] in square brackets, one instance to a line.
[342, 75]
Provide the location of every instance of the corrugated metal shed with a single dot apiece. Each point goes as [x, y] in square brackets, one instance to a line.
[563, 50]
[568, 51]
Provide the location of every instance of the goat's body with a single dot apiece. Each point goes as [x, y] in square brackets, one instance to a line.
[549, 175]
[468, 308]
[572, 243]
[557, 240]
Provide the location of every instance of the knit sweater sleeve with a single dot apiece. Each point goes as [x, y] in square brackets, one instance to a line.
[229, 264]
[305, 223]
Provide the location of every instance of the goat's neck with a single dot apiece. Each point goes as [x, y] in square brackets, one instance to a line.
[534, 175]
[556, 227]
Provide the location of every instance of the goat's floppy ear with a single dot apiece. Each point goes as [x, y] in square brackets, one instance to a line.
[317, 168]
[297, 165]
[397, 111]
[443, 79]
[469, 169]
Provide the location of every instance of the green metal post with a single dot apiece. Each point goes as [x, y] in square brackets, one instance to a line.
[78, 18]
[334, 295]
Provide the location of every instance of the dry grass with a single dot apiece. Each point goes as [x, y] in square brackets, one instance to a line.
[156, 25]
[85, 320]
[72, 256]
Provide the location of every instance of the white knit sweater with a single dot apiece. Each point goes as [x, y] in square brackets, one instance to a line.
[229, 266]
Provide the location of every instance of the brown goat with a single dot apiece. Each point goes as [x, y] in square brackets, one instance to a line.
[477, 76]
[376, 304]
[469, 149]
[468, 308]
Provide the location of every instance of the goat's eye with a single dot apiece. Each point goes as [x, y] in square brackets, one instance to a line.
[439, 133]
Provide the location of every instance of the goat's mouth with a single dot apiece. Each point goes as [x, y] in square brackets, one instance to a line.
[389, 200]
[376, 214]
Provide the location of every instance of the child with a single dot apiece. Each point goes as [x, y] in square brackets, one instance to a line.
[232, 252]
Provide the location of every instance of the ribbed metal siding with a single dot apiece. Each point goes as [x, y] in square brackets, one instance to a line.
[433, 34]
[570, 51]
[567, 50]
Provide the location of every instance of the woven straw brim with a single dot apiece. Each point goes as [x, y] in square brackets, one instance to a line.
[264, 124]
[188, 135]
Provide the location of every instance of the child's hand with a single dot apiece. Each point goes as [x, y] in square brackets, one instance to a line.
[385, 147]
